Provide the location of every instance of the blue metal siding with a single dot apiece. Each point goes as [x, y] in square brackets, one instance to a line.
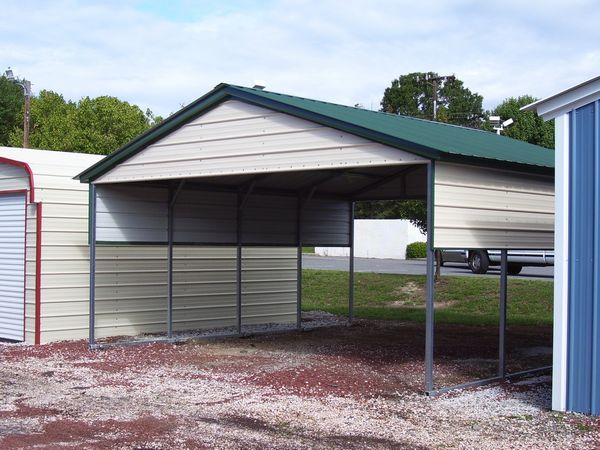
[583, 358]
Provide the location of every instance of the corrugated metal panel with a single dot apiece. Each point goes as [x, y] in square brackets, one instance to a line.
[131, 214]
[206, 217]
[131, 288]
[326, 222]
[476, 207]
[139, 214]
[12, 266]
[583, 357]
[236, 138]
[13, 178]
[270, 219]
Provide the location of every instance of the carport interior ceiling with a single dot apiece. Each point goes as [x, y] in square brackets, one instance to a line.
[280, 170]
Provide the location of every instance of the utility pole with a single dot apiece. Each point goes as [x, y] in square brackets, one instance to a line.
[434, 82]
[26, 86]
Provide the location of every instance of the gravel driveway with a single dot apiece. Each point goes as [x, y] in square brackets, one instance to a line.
[332, 387]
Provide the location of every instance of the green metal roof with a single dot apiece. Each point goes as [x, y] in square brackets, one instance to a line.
[434, 140]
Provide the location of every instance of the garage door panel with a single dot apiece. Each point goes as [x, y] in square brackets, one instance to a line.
[12, 266]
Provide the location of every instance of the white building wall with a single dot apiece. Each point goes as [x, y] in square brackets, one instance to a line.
[378, 238]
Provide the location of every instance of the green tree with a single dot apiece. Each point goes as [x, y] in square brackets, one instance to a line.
[527, 126]
[92, 125]
[413, 95]
[11, 104]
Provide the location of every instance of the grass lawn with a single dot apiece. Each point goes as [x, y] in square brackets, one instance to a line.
[308, 249]
[459, 300]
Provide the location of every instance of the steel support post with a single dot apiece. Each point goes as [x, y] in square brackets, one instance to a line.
[430, 288]
[351, 267]
[299, 267]
[92, 239]
[170, 264]
[502, 314]
[238, 267]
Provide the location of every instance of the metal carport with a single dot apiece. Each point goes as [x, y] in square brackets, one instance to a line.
[258, 168]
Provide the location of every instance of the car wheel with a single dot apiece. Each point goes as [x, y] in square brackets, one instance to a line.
[514, 268]
[478, 261]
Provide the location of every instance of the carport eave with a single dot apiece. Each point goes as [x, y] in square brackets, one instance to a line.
[498, 164]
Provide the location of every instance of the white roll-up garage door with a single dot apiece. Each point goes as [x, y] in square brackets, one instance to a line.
[12, 266]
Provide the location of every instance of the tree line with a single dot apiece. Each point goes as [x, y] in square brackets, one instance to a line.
[97, 125]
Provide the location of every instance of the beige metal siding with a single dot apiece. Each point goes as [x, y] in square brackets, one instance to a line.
[270, 219]
[326, 223]
[237, 138]
[269, 285]
[131, 288]
[131, 214]
[494, 209]
[205, 217]
[139, 214]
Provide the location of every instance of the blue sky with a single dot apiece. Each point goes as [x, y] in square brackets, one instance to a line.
[164, 54]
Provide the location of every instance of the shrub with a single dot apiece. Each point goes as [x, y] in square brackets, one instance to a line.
[416, 250]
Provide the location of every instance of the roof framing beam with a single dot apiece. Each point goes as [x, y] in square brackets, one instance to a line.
[382, 181]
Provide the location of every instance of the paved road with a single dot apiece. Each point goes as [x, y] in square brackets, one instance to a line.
[411, 267]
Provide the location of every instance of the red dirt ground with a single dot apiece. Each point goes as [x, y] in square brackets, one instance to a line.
[342, 387]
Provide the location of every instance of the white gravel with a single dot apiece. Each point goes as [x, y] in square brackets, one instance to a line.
[216, 409]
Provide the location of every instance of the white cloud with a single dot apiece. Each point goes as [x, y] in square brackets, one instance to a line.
[343, 52]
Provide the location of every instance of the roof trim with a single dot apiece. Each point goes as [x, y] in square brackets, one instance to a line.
[567, 100]
[25, 166]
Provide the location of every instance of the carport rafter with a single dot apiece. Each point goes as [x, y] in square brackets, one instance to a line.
[385, 180]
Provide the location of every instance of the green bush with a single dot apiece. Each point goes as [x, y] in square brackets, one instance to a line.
[416, 250]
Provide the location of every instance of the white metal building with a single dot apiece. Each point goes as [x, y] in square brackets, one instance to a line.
[44, 258]
[252, 169]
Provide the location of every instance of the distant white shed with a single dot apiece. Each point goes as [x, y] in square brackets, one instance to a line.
[44, 253]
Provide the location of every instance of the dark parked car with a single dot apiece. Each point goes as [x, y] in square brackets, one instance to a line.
[480, 260]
